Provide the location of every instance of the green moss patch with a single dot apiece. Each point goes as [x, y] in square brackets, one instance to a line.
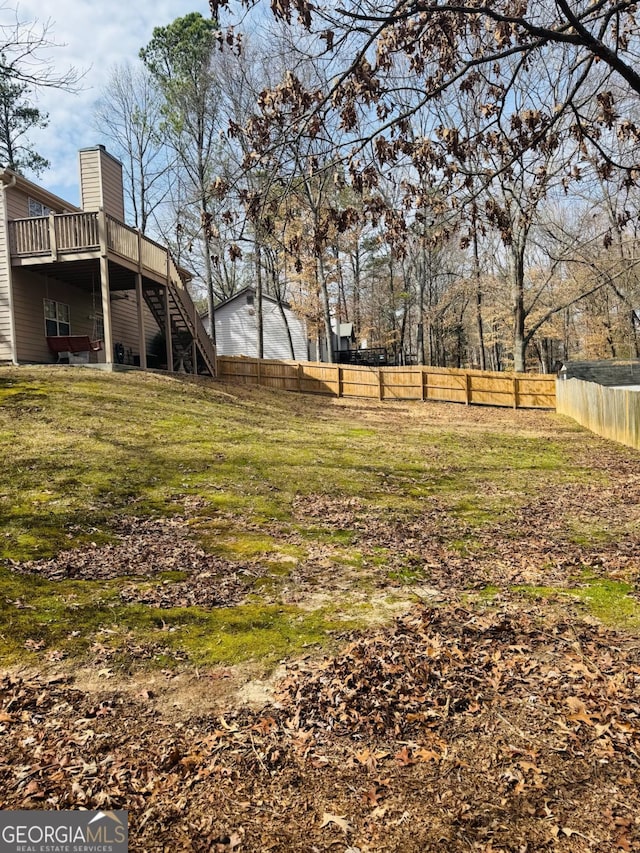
[282, 482]
[608, 600]
[47, 620]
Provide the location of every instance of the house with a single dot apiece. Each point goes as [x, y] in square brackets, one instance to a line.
[77, 284]
[237, 328]
[344, 337]
[344, 346]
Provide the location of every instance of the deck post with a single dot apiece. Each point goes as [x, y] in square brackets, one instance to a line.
[194, 346]
[167, 318]
[53, 243]
[104, 287]
[142, 337]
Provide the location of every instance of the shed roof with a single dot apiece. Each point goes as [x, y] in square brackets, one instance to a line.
[244, 292]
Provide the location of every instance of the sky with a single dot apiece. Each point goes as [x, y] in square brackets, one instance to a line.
[93, 37]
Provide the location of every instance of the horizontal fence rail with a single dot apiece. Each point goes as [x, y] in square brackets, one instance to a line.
[471, 387]
[610, 412]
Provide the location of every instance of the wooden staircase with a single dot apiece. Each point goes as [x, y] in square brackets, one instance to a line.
[187, 329]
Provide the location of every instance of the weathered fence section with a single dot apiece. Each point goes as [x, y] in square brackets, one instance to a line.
[610, 412]
[394, 383]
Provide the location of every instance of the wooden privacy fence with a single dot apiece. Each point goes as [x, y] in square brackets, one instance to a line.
[517, 390]
[611, 412]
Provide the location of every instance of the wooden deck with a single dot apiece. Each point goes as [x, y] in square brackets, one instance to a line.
[74, 236]
[71, 238]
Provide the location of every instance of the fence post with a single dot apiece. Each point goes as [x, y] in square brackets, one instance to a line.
[467, 388]
[425, 384]
[258, 371]
[299, 372]
[515, 392]
[381, 383]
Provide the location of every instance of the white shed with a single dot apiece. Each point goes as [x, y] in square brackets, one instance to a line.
[237, 328]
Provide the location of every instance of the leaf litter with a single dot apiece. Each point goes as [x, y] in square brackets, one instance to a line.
[514, 727]
[451, 729]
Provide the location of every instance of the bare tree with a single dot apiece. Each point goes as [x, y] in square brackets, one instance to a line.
[129, 114]
[25, 47]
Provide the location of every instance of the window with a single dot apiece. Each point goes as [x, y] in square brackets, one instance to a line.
[37, 208]
[249, 298]
[56, 318]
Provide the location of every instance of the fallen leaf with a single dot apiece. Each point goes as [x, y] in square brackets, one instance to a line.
[427, 755]
[578, 711]
[341, 822]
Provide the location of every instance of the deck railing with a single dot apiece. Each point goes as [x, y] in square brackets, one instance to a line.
[154, 257]
[30, 236]
[122, 239]
[77, 232]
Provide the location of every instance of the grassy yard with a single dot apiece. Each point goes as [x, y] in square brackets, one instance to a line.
[158, 531]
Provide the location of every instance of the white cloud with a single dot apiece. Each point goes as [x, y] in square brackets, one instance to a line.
[95, 36]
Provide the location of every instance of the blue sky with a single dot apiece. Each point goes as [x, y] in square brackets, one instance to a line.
[95, 37]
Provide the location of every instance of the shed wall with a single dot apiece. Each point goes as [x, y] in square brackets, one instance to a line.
[236, 331]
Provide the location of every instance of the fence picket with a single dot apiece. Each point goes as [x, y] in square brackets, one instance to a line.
[397, 383]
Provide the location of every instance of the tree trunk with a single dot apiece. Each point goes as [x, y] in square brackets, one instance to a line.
[259, 319]
[288, 330]
[421, 286]
[356, 289]
[326, 308]
[479, 326]
[519, 315]
[634, 332]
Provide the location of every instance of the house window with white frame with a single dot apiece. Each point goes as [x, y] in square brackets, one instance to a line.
[57, 318]
[37, 208]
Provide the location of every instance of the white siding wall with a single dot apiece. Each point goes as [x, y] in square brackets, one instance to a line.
[236, 331]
